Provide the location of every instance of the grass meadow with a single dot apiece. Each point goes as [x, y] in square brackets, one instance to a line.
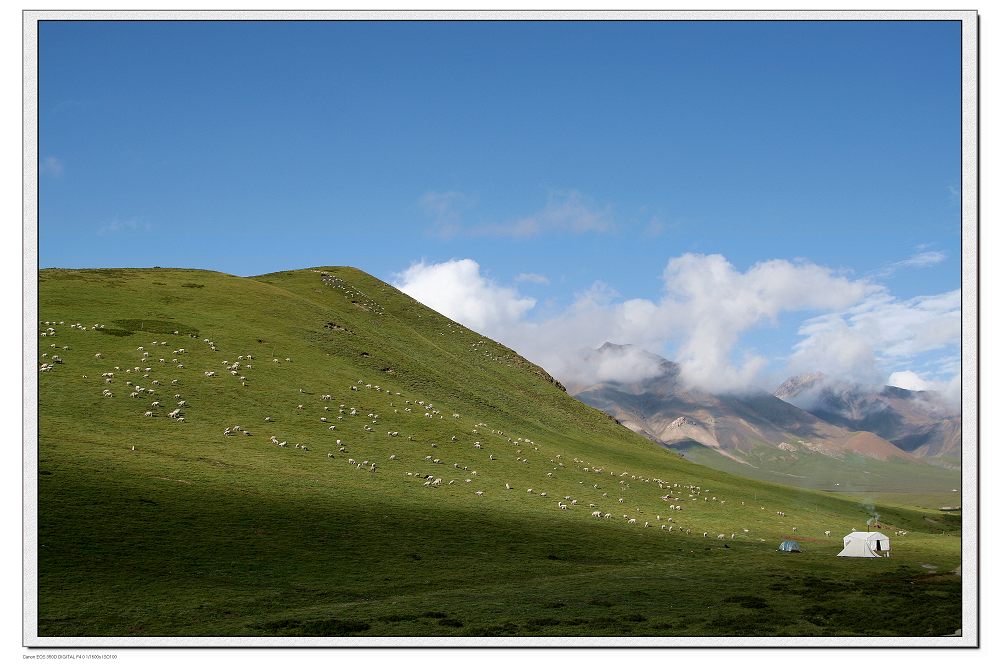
[150, 526]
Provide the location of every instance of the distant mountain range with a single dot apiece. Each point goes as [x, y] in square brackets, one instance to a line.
[915, 421]
[812, 430]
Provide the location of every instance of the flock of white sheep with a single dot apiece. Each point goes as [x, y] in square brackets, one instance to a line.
[602, 488]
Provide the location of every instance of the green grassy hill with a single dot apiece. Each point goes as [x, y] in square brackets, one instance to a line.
[157, 526]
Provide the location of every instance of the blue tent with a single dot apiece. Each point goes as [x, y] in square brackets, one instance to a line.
[790, 545]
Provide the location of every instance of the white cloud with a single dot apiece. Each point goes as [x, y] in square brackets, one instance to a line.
[835, 349]
[654, 227]
[445, 210]
[920, 260]
[624, 364]
[117, 225]
[881, 330]
[51, 166]
[948, 390]
[909, 380]
[706, 307]
[720, 304]
[567, 211]
[536, 278]
[457, 290]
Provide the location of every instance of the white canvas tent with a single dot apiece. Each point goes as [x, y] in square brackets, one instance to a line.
[866, 545]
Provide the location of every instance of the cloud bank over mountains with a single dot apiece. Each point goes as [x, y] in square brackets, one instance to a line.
[851, 329]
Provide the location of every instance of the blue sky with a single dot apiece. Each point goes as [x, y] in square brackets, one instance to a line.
[555, 155]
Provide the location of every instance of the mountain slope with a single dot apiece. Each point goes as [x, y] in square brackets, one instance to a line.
[915, 421]
[149, 525]
[771, 438]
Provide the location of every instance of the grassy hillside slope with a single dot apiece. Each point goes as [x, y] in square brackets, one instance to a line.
[150, 526]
